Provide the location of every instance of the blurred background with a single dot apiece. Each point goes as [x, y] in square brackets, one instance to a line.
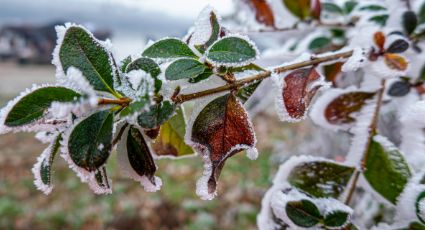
[27, 39]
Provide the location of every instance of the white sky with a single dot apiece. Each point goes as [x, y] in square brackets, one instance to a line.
[180, 8]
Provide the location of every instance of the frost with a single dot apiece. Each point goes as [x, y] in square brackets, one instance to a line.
[46, 123]
[84, 175]
[41, 161]
[406, 202]
[238, 64]
[127, 169]
[203, 30]
[357, 60]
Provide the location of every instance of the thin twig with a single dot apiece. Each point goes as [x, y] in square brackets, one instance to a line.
[372, 133]
[124, 101]
[251, 79]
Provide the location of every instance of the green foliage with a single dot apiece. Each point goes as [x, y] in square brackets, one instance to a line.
[372, 8]
[332, 7]
[321, 178]
[168, 48]
[380, 20]
[149, 66]
[157, 115]
[303, 213]
[32, 106]
[46, 164]
[184, 68]
[386, 170]
[300, 8]
[81, 50]
[215, 34]
[319, 43]
[231, 51]
[90, 142]
[336, 219]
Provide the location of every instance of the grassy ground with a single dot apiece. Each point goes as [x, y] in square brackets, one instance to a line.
[73, 206]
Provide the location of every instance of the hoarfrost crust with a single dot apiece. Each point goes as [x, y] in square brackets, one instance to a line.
[126, 168]
[38, 182]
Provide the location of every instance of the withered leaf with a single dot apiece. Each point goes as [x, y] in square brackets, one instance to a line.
[221, 130]
[395, 61]
[298, 90]
[263, 12]
[341, 109]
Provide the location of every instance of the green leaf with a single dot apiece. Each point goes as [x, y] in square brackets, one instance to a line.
[300, 8]
[170, 141]
[332, 7]
[319, 43]
[349, 6]
[410, 21]
[82, 51]
[420, 213]
[372, 8]
[157, 115]
[102, 178]
[246, 92]
[90, 142]
[149, 66]
[386, 169]
[124, 63]
[206, 74]
[44, 174]
[336, 219]
[380, 19]
[421, 14]
[303, 213]
[32, 106]
[139, 155]
[231, 51]
[321, 178]
[169, 48]
[415, 226]
[134, 107]
[184, 68]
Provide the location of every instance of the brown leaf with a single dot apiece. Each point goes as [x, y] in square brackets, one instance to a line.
[316, 9]
[342, 108]
[221, 130]
[332, 71]
[263, 12]
[298, 91]
[395, 61]
[379, 39]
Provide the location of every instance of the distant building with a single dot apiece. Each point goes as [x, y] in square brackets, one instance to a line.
[28, 44]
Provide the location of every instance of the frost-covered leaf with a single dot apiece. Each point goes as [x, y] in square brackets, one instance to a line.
[332, 7]
[420, 207]
[134, 107]
[372, 8]
[101, 179]
[42, 170]
[303, 213]
[81, 50]
[184, 68]
[246, 92]
[319, 43]
[336, 219]
[321, 178]
[398, 46]
[124, 63]
[395, 61]
[149, 66]
[349, 6]
[90, 141]
[300, 8]
[206, 74]
[135, 159]
[298, 88]
[170, 141]
[415, 226]
[207, 30]
[168, 48]
[33, 105]
[157, 115]
[379, 39]
[381, 20]
[332, 71]
[263, 12]
[421, 14]
[386, 169]
[232, 51]
[220, 130]
[399, 89]
[337, 108]
[410, 21]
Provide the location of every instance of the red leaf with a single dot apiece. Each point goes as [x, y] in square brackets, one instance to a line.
[220, 130]
[342, 108]
[332, 71]
[263, 12]
[316, 9]
[298, 90]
